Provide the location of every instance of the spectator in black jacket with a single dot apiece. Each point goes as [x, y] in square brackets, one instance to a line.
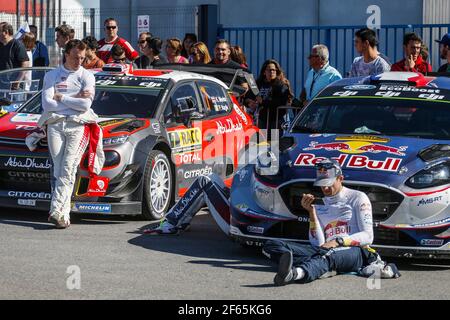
[274, 91]
[444, 50]
[150, 57]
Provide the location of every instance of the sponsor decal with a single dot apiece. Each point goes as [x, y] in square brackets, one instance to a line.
[242, 207]
[198, 172]
[156, 127]
[28, 163]
[425, 201]
[25, 127]
[3, 112]
[97, 186]
[347, 93]
[26, 202]
[242, 174]
[184, 202]
[31, 195]
[26, 117]
[408, 89]
[325, 135]
[357, 145]
[360, 87]
[432, 242]
[303, 219]
[187, 158]
[353, 161]
[228, 127]
[113, 121]
[93, 207]
[105, 82]
[150, 84]
[185, 140]
[240, 113]
[253, 229]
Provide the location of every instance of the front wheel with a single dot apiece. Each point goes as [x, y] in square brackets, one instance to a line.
[158, 189]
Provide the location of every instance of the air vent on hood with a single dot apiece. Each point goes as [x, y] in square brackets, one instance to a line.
[434, 151]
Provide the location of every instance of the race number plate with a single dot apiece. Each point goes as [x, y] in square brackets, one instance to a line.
[27, 202]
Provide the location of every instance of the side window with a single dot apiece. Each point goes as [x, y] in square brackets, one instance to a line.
[215, 99]
[180, 98]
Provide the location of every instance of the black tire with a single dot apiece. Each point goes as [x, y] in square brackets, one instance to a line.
[158, 172]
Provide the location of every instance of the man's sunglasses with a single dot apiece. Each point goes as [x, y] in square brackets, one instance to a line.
[111, 27]
[142, 41]
[119, 59]
[326, 166]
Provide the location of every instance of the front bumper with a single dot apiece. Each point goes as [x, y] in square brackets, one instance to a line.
[90, 207]
[251, 225]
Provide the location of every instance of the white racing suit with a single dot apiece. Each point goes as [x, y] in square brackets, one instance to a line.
[67, 133]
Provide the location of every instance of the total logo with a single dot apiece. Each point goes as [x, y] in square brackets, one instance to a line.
[356, 145]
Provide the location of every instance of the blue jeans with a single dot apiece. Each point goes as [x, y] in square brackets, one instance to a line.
[206, 190]
[316, 261]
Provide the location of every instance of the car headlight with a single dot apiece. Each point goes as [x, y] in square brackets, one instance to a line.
[432, 177]
[115, 140]
[267, 164]
[264, 195]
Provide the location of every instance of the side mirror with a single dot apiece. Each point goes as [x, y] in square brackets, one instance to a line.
[186, 110]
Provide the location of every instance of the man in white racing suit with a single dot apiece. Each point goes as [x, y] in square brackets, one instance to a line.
[68, 92]
[340, 234]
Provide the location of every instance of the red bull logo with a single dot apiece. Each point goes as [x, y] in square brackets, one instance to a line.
[358, 144]
[353, 161]
[377, 148]
[336, 228]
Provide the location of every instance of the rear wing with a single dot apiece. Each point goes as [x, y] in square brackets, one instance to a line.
[232, 77]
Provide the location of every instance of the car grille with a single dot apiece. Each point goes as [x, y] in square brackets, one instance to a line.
[38, 181]
[392, 237]
[13, 142]
[384, 201]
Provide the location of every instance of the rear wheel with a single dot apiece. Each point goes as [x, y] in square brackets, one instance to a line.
[158, 189]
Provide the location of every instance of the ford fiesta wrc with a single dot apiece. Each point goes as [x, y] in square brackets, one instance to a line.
[391, 135]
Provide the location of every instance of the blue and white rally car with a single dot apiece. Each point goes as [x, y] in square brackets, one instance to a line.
[391, 134]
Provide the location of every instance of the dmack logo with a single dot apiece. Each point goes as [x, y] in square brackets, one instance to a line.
[353, 161]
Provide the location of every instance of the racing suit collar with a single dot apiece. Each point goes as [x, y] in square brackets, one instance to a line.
[338, 197]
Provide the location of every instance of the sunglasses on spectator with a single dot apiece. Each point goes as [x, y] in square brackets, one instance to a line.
[312, 56]
[111, 27]
[142, 41]
[120, 59]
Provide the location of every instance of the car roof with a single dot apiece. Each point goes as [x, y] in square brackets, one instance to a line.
[413, 79]
[158, 74]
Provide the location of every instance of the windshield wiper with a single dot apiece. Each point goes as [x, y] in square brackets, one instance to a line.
[120, 116]
[304, 130]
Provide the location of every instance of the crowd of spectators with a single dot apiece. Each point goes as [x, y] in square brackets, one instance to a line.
[275, 89]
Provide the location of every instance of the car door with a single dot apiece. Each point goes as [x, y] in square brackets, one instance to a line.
[186, 140]
[222, 129]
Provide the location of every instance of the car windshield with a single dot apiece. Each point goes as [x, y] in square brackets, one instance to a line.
[408, 117]
[19, 85]
[114, 102]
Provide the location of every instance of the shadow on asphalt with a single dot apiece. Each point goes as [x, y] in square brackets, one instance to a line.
[206, 241]
[38, 219]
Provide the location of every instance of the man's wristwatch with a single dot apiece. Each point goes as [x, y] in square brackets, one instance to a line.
[340, 241]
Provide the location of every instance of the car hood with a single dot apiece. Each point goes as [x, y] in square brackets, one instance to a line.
[367, 158]
[20, 125]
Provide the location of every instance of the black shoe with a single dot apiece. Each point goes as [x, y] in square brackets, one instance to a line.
[285, 274]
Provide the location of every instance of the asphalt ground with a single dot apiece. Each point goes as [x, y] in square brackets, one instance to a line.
[109, 258]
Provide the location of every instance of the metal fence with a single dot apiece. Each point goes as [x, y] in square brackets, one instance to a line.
[291, 46]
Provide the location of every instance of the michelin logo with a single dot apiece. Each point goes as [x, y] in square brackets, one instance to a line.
[93, 208]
